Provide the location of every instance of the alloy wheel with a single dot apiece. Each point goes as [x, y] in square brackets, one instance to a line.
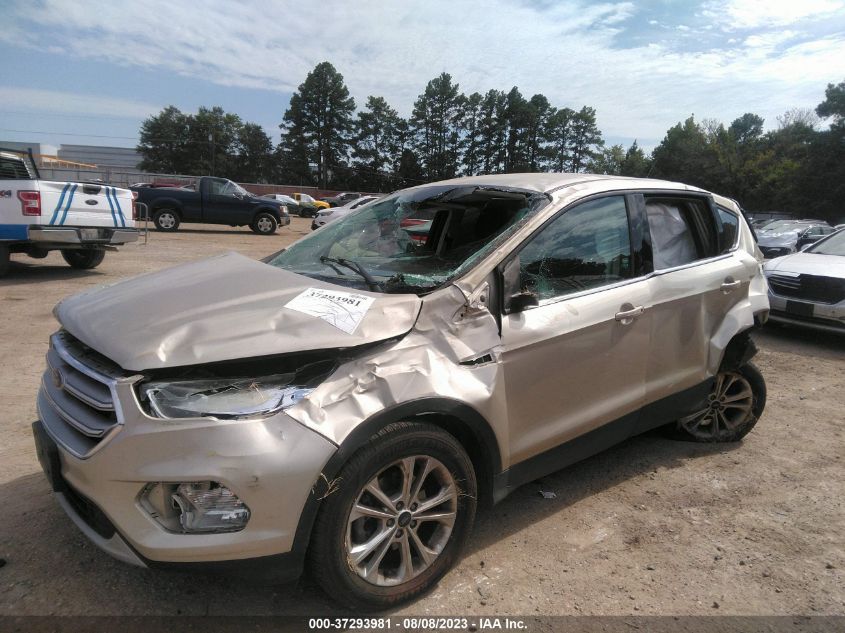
[401, 520]
[729, 405]
[166, 220]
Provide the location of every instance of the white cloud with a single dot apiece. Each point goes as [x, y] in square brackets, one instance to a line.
[565, 50]
[769, 40]
[748, 14]
[34, 101]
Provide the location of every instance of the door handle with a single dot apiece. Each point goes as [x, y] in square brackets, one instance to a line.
[626, 316]
[729, 285]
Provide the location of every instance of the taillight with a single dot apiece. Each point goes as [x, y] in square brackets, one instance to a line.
[30, 202]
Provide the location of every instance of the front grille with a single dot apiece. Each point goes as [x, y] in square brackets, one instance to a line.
[815, 288]
[76, 401]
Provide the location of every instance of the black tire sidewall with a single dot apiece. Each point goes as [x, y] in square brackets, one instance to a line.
[5, 259]
[328, 548]
[83, 260]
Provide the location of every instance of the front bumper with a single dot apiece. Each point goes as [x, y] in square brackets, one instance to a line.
[82, 236]
[818, 316]
[271, 464]
[284, 219]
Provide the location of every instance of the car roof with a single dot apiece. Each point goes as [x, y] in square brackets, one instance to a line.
[548, 182]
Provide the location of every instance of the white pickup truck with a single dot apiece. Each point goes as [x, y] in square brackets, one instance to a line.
[82, 220]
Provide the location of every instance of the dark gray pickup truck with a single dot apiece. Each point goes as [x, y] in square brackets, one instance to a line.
[214, 201]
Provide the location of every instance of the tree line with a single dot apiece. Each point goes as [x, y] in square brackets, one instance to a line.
[326, 142]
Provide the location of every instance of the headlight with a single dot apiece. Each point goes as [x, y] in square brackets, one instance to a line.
[224, 398]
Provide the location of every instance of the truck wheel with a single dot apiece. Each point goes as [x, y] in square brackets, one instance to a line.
[83, 260]
[264, 224]
[166, 220]
[398, 519]
[734, 405]
[4, 260]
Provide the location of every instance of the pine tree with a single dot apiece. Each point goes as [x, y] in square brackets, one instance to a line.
[318, 125]
[378, 145]
[435, 123]
[586, 138]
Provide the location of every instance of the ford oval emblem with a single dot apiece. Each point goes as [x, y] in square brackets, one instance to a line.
[90, 202]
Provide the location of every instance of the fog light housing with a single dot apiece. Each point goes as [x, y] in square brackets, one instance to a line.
[207, 506]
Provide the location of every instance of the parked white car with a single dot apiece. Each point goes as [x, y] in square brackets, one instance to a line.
[335, 213]
[82, 220]
[808, 288]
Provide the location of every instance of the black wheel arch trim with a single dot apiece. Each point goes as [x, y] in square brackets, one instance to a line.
[454, 416]
[739, 350]
[270, 210]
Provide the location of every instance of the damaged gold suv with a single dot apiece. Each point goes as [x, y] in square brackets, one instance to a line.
[346, 403]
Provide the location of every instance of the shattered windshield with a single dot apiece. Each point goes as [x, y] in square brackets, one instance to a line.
[414, 240]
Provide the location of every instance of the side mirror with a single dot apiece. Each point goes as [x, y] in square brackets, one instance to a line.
[518, 300]
[522, 301]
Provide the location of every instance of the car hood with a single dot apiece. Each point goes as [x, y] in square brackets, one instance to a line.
[808, 264]
[223, 308]
[778, 239]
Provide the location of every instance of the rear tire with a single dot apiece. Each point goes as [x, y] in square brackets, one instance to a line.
[166, 220]
[398, 520]
[83, 260]
[264, 224]
[735, 404]
[5, 258]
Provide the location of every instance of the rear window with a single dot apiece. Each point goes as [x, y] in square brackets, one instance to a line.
[13, 168]
[682, 230]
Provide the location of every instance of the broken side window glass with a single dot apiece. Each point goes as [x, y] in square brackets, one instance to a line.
[586, 247]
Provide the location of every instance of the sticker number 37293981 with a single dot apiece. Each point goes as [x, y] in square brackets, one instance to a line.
[343, 310]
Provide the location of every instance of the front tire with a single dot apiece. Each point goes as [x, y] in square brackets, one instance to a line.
[734, 405]
[264, 224]
[83, 260]
[403, 509]
[166, 220]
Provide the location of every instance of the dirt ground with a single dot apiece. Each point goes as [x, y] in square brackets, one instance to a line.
[651, 527]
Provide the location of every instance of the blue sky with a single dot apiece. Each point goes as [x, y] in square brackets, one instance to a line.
[80, 72]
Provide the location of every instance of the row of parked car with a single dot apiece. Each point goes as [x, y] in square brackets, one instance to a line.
[306, 206]
[220, 201]
[778, 237]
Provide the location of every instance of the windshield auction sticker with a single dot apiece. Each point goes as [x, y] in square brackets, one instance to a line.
[344, 310]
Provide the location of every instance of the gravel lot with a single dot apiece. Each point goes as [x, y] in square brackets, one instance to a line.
[651, 527]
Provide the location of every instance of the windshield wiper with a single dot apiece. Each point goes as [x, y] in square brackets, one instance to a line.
[355, 267]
